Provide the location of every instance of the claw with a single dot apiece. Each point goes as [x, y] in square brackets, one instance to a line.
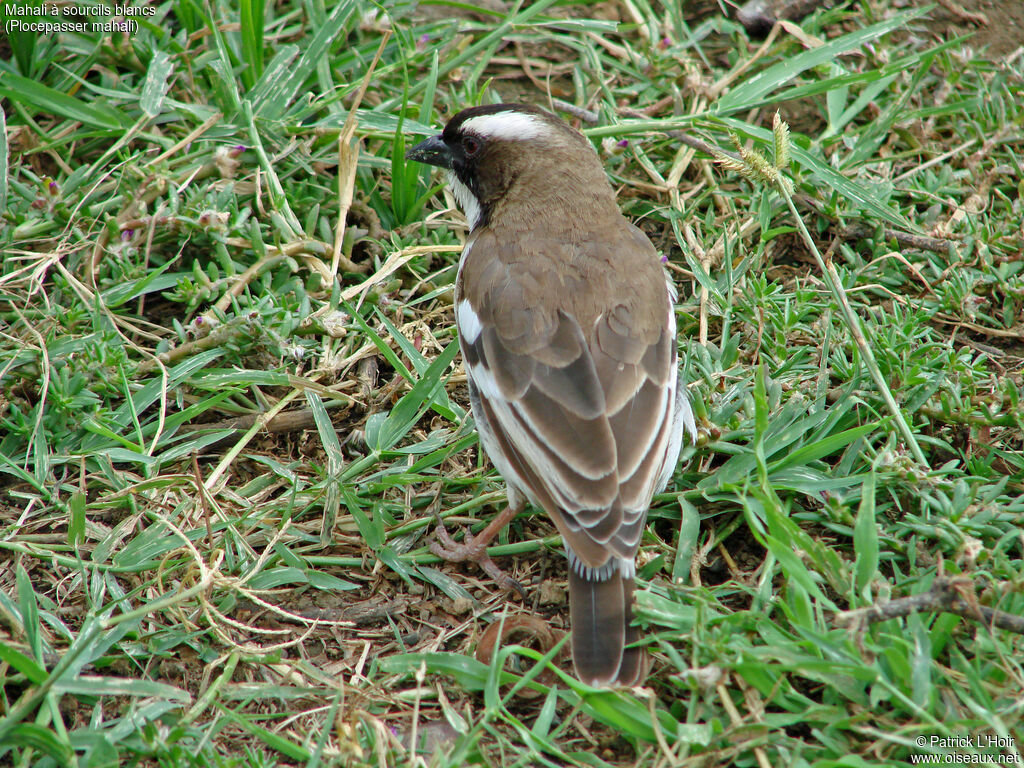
[473, 548]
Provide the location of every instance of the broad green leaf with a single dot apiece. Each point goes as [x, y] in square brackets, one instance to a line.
[417, 400]
[154, 89]
[278, 95]
[28, 667]
[865, 539]
[31, 736]
[90, 685]
[3, 160]
[29, 612]
[76, 521]
[274, 741]
[753, 90]
[52, 102]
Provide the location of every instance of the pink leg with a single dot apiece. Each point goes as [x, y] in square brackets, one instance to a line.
[474, 548]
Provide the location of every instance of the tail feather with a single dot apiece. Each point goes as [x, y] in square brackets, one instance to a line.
[633, 668]
[601, 614]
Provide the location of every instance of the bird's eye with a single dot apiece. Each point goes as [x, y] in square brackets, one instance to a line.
[470, 146]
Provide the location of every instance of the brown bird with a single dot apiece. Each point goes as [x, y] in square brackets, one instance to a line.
[568, 333]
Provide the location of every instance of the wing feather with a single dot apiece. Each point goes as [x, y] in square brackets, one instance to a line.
[579, 404]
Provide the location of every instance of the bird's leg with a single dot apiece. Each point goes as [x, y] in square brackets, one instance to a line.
[474, 548]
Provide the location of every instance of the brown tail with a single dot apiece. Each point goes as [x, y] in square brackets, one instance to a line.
[601, 613]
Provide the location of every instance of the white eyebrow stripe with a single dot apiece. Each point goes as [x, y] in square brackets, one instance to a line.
[508, 125]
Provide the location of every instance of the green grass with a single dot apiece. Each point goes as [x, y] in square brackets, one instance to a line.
[223, 442]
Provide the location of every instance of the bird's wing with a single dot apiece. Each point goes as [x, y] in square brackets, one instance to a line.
[574, 402]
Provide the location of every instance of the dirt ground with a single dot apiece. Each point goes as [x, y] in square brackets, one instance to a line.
[998, 25]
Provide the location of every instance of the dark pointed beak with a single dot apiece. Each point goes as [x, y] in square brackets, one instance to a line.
[432, 151]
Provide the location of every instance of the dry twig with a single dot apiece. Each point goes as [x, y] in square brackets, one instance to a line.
[946, 595]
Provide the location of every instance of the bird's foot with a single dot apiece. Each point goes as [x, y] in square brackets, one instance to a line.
[474, 549]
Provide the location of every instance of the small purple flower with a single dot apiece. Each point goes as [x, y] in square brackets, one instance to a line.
[127, 234]
[54, 189]
[664, 258]
[421, 42]
[665, 43]
[622, 143]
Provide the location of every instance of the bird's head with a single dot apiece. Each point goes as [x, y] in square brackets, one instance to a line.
[518, 156]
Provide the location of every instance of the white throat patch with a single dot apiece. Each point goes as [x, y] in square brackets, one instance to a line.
[466, 199]
[508, 125]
